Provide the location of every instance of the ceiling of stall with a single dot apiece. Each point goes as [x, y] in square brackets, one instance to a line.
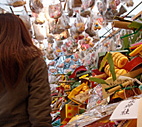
[102, 33]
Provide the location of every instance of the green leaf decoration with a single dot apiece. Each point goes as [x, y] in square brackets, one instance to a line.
[98, 80]
[135, 24]
[140, 19]
[103, 62]
[69, 73]
[135, 37]
[111, 64]
[125, 42]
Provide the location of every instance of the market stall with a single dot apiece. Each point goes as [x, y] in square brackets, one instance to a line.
[95, 73]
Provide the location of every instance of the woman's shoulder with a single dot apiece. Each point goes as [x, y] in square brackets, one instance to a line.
[37, 62]
[35, 66]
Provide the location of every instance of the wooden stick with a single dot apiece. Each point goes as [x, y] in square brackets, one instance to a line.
[136, 16]
[66, 82]
[119, 87]
[58, 96]
[57, 99]
[92, 7]
[58, 74]
[11, 10]
[25, 9]
[65, 4]
[55, 109]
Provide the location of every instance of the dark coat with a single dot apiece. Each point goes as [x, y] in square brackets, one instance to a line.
[28, 104]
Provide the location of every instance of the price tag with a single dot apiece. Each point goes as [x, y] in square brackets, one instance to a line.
[127, 109]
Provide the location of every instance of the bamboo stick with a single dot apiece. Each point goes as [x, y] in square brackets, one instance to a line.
[119, 87]
[122, 25]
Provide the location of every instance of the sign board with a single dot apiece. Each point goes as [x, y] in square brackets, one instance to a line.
[127, 109]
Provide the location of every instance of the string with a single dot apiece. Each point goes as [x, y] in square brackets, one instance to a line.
[125, 91]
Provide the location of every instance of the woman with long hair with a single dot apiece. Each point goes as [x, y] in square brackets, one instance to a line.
[24, 88]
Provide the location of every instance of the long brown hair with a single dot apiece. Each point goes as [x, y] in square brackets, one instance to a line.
[16, 48]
